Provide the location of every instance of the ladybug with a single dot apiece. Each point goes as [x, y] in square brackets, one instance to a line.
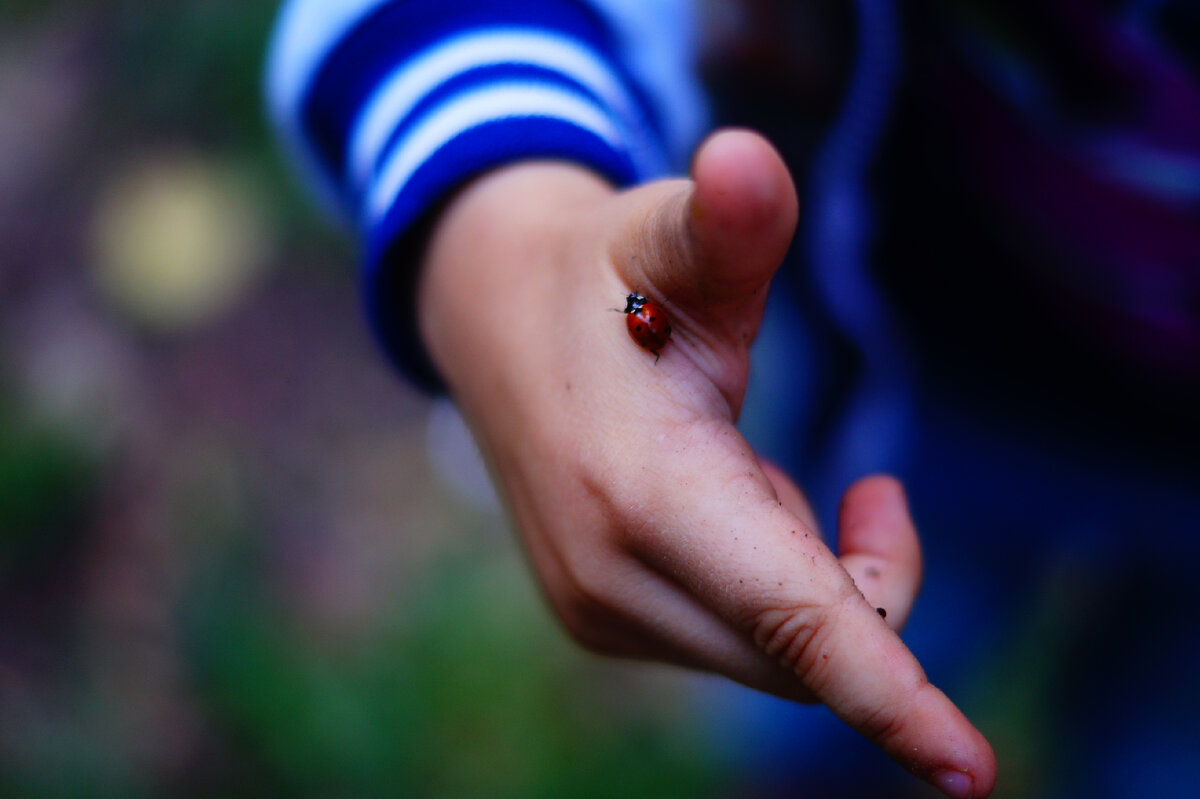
[647, 323]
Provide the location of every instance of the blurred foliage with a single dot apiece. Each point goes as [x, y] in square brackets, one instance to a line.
[47, 478]
[191, 63]
[470, 692]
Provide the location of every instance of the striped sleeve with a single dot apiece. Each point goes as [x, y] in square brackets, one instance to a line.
[387, 106]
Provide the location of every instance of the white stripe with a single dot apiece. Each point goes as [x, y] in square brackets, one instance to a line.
[465, 111]
[396, 97]
[305, 32]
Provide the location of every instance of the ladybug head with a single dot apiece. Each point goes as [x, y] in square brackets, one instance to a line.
[634, 302]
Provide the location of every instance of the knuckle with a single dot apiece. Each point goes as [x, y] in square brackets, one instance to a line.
[585, 633]
[639, 534]
[589, 611]
[883, 725]
[800, 637]
[586, 629]
[796, 636]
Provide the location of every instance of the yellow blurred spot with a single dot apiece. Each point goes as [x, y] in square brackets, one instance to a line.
[178, 241]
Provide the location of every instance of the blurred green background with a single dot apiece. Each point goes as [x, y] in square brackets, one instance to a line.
[227, 567]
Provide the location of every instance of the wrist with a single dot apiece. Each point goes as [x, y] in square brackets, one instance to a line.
[505, 243]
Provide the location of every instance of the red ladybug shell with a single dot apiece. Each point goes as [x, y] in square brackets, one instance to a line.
[647, 323]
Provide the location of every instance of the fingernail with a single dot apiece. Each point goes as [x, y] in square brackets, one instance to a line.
[955, 784]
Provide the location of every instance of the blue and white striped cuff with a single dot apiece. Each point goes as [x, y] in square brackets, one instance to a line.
[477, 101]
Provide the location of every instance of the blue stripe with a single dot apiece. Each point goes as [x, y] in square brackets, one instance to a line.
[396, 32]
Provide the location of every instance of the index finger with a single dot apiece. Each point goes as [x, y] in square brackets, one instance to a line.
[760, 568]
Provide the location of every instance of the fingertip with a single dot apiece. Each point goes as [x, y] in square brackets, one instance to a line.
[742, 181]
[968, 753]
[985, 774]
[939, 744]
[874, 519]
[875, 492]
[875, 684]
[972, 777]
[743, 208]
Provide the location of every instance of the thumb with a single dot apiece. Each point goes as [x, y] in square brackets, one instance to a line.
[719, 237]
[740, 217]
[709, 246]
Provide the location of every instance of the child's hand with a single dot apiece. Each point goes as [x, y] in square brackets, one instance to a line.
[655, 530]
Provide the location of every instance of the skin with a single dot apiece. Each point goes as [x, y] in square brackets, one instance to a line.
[652, 526]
